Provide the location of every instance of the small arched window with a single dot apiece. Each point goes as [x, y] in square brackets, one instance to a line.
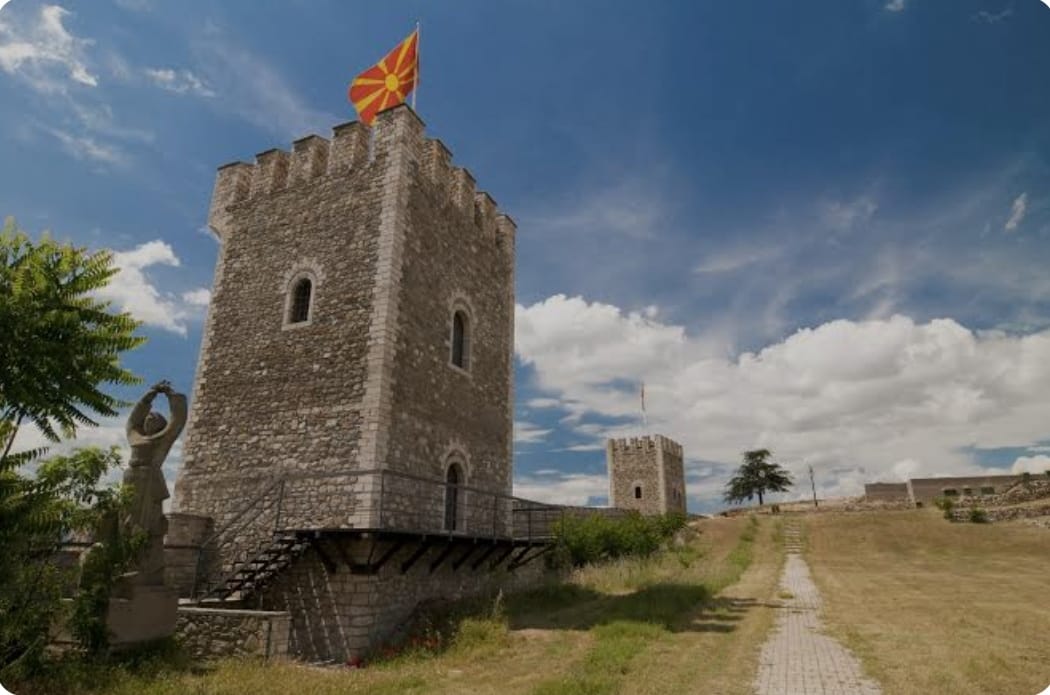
[638, 492]
[460, 340]
[299, 308]
[453, 479]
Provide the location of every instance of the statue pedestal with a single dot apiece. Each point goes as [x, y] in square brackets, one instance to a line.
[148, 614]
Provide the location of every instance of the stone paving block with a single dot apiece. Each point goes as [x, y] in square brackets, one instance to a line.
[798, 658]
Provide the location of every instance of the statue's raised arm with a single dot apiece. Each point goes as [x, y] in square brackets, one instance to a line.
[144, 423]
[137, 419]
[179, 412]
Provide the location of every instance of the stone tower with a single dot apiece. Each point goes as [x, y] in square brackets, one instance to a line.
[646, 474]
[361, 320]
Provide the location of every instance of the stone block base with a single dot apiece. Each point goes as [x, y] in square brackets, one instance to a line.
[217, 632]
[149, 614]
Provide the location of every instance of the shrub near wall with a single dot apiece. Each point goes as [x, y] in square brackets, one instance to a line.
[584, 540]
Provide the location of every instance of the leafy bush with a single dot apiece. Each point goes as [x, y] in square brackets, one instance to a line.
[36, 515]
[978, 516]
[945, 504]
[586, 539]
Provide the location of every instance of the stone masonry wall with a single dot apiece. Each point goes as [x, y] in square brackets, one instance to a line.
[886, 492]
[212, 633]
[926, 489]
[183, 546]
[457, 254]
[391, 244]
[670, 456]
[271, 397]
[655, 464]
[336, 615]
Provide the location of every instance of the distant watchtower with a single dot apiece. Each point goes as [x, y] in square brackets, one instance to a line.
[646, 474]
[361, 320]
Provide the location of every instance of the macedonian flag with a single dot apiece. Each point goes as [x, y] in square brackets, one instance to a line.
[388, 82]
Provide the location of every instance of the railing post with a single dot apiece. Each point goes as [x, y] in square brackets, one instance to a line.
[280, 504]
[382, 495]
[197, 578]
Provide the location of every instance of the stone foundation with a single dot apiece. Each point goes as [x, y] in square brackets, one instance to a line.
[212, 632]
[336, 615]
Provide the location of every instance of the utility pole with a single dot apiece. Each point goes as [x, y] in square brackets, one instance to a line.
[814, 486]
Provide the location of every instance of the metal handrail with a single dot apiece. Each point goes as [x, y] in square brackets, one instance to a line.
[231, 525]
[502, 519]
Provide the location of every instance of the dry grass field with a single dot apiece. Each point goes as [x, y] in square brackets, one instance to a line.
[688, 621]
[930, 607]
[935, 608]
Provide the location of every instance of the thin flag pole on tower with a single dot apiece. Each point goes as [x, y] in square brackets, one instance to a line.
[415, 90]
[645, 417]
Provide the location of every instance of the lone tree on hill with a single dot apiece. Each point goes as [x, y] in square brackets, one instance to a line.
[757, 476]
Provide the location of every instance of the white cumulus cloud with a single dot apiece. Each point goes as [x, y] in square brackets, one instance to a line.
[554, 487]
[894, 5]
[859, 400]
[1031, 464]
[197, 297]
[131, 290]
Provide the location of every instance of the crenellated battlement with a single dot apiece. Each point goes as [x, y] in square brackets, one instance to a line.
[353, 148]
[645, 443]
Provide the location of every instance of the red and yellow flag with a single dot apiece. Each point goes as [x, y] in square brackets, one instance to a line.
[388, 82]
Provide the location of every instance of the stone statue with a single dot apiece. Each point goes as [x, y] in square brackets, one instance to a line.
[151, 437]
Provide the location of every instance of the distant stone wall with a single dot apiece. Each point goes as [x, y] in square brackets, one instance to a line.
[336, 615]
[208, 633]
[962, 513]
[926, 489]
[885, 492]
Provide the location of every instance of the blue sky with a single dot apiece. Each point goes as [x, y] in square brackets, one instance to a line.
[818, 227]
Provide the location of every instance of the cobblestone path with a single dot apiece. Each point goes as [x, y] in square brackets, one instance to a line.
[798, 659]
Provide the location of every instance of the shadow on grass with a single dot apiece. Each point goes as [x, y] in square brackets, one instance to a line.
[674, 607]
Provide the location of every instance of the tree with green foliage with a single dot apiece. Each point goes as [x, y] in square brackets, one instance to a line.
[59, 345]
[757, 476]
[59, 342]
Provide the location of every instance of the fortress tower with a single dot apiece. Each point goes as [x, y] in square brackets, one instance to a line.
[361, 320]
[646, 474]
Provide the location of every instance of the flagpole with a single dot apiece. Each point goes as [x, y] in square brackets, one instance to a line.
[645, 417]
[415, 90]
